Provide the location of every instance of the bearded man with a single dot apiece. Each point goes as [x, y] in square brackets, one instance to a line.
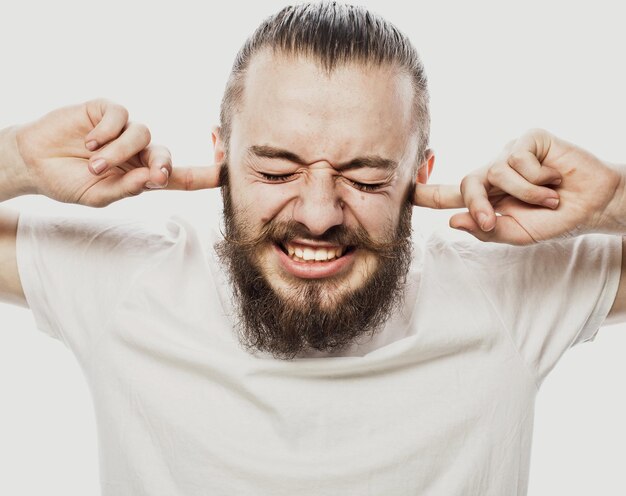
[317, 347]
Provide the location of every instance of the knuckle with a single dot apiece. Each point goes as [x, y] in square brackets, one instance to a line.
[123, 112]
[144, 132]
[494, 174]
[537, 131]
[530, 195]
[472, 178]
[188, 180]
[100, 102]
[134, 191]
[164, 156]
[515, 160]
[105, 103]
[464, 184]
[158, 150]
[539, 135]
[437, 198]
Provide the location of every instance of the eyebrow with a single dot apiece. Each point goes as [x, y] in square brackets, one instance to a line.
[372, 161]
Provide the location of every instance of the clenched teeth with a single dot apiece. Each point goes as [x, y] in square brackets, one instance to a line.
[310, 254]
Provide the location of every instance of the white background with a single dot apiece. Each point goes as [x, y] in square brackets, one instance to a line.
[495, 69]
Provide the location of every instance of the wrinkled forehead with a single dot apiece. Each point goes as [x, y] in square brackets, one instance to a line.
[292, 101]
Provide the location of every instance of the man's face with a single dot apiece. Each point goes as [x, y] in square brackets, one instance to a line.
[319, 172]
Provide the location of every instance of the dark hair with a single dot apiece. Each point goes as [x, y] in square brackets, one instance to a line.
[332, 34]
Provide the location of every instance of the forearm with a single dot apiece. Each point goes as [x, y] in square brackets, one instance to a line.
[14, 178]
[613, 218]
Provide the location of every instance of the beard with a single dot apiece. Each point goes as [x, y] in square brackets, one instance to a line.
[315, 314]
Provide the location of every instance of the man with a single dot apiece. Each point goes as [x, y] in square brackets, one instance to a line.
[333, 369]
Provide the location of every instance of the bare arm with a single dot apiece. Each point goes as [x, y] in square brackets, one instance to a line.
[10, 285]
[13, 182]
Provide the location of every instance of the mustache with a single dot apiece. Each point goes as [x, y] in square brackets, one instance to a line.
[280, 232]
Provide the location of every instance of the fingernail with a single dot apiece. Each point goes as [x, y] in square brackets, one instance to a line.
[556, 182]
[482, 220]
[98, 165]
[166, 172]
[151, 185]
[551, 203]
[91, 145]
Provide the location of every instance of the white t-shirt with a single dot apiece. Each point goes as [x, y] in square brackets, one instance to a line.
[440, 403]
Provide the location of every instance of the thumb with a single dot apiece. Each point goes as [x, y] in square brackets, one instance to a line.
[194, 178]
[507, 229]
[115, 186]
[437, 196]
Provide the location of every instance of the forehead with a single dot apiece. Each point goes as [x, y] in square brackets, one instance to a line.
[292, 102]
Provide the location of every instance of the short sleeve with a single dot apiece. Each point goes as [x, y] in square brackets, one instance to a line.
[549, 296]
[74, 271]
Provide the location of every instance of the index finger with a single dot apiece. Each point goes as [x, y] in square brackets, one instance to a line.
[438, 196]
[194, 178]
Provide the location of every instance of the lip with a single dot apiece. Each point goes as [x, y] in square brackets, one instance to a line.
[314, 270]
[315, 244]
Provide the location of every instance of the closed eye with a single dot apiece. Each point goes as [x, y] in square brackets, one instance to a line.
[279, 178]
[366, 187]
[276, 178]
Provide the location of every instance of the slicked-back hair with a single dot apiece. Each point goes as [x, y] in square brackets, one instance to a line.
[332, 34]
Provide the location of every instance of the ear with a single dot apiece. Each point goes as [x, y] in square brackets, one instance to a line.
[218, 145]
[426, 167]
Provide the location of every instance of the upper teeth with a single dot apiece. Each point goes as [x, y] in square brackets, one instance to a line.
[317, 254]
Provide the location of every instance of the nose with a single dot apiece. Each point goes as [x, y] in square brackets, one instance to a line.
[318, 207]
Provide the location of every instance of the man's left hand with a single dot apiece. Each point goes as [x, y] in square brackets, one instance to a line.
[542, 187]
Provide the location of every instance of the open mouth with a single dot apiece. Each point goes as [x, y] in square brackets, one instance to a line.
[312, 254]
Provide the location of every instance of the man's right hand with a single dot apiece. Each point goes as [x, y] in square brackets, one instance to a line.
[91, 154]
[58, 156]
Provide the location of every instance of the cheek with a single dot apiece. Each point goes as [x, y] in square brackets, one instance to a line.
[263, 202]
[374, 212]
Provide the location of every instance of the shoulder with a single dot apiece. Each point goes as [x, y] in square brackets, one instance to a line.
[104, 236]
[586, 251]
[441, 246]
[465, 245]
